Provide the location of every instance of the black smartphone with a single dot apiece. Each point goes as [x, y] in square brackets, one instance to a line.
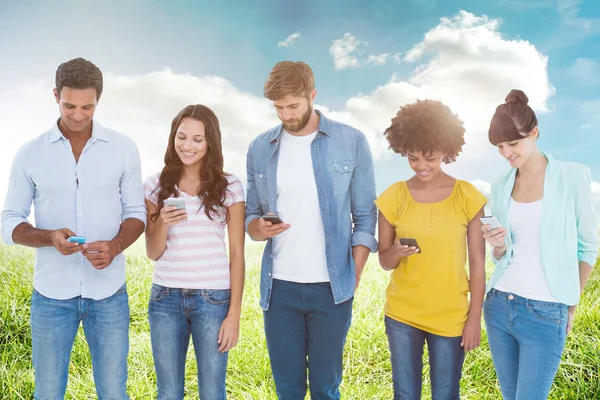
[274, 219]
[410, 242]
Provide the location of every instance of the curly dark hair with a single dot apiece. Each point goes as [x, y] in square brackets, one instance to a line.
[79, 73]
[213, 187]
[426, 126]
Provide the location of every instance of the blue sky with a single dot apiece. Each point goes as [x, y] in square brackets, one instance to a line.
[158, 56]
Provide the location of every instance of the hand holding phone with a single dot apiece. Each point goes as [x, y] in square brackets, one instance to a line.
[169, 217]
[407, 247]
[491, 221]
[493, 232]
[271, 225]
[177, 202]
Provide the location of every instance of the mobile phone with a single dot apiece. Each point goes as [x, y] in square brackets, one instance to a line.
[491, 221]
[177, 202]
[410, 242]
[274, 219]
[76, 239]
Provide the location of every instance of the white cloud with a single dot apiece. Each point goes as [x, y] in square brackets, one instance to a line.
[585, 72]
[470, 67]
[379, 59]
[290, 40]
[397, 58]
[345, 51]
[142, 107]
[573, 27]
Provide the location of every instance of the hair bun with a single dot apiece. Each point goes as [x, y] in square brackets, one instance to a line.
[516, 96]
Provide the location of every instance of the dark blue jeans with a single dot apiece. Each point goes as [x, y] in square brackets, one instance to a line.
[527, 338]
[446, 357]
[305, 329]
[174, 315]
[54, 325]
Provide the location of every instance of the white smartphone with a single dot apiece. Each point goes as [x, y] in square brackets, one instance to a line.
[491, 221]
[176, 201]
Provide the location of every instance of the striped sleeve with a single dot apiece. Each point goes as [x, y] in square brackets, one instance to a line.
[151, 189]
[235, 192]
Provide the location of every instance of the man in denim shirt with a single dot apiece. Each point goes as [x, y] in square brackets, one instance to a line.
[84, 180]
[316, 176]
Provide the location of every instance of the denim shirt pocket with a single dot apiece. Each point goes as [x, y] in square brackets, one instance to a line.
[341, 175]
[260, 181]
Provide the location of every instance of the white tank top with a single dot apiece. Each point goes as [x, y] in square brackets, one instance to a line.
[525, 275]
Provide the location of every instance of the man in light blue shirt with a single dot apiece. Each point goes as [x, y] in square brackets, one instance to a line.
[317, 176]
[84, 180]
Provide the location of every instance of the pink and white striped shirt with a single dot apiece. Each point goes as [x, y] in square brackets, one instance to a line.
[195, 257]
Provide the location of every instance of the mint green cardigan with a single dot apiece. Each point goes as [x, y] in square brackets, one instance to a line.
[569, 231]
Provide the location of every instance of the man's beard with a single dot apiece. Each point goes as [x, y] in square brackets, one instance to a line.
[297, 127]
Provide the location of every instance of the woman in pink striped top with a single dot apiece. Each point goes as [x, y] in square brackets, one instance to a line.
[196, 288]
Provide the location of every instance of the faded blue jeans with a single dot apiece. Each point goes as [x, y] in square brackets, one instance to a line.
[54, 325]
[174, 315]
[526, 338]
[446, 357]
[306, 330]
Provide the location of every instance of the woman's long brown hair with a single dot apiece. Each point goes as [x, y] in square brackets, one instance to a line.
[212, 190]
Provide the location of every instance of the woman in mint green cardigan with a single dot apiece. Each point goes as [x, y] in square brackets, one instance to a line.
[544, 253]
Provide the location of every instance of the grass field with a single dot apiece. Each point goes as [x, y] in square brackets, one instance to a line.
[367, 369]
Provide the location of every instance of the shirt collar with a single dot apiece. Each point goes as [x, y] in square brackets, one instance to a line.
[552, 165]
[324, 127]
[98, 133]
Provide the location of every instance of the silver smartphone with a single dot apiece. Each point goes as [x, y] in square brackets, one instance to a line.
[176, 201]
[491, 221]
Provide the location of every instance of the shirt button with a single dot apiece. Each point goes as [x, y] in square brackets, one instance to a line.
[269, 274]
[510, 297]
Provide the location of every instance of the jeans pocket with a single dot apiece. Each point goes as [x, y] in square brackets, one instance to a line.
[218, 296]
[546, 312]
[156, 293]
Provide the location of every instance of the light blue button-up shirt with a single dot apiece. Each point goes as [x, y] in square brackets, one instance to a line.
[344, 175]
[90, 197]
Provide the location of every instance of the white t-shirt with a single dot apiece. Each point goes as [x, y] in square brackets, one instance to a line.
[299, 252]
[195, 257]
[524, 274]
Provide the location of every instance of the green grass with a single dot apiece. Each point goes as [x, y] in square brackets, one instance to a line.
[367, 369]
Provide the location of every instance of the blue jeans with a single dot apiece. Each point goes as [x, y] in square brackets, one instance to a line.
[303, 322]
[446, 357]
[54, 325]
[527, 338]
[174, 314]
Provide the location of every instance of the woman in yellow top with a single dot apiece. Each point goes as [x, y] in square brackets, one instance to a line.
[427, 298]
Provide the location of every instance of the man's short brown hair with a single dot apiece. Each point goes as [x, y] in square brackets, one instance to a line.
[291, 78]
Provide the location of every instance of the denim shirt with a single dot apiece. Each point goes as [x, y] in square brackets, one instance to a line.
[344, 176]
[569, 226]
[90, 197]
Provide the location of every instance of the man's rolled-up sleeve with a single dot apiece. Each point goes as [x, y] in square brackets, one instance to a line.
[132, 187]
[362, 198]
[253, 208]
